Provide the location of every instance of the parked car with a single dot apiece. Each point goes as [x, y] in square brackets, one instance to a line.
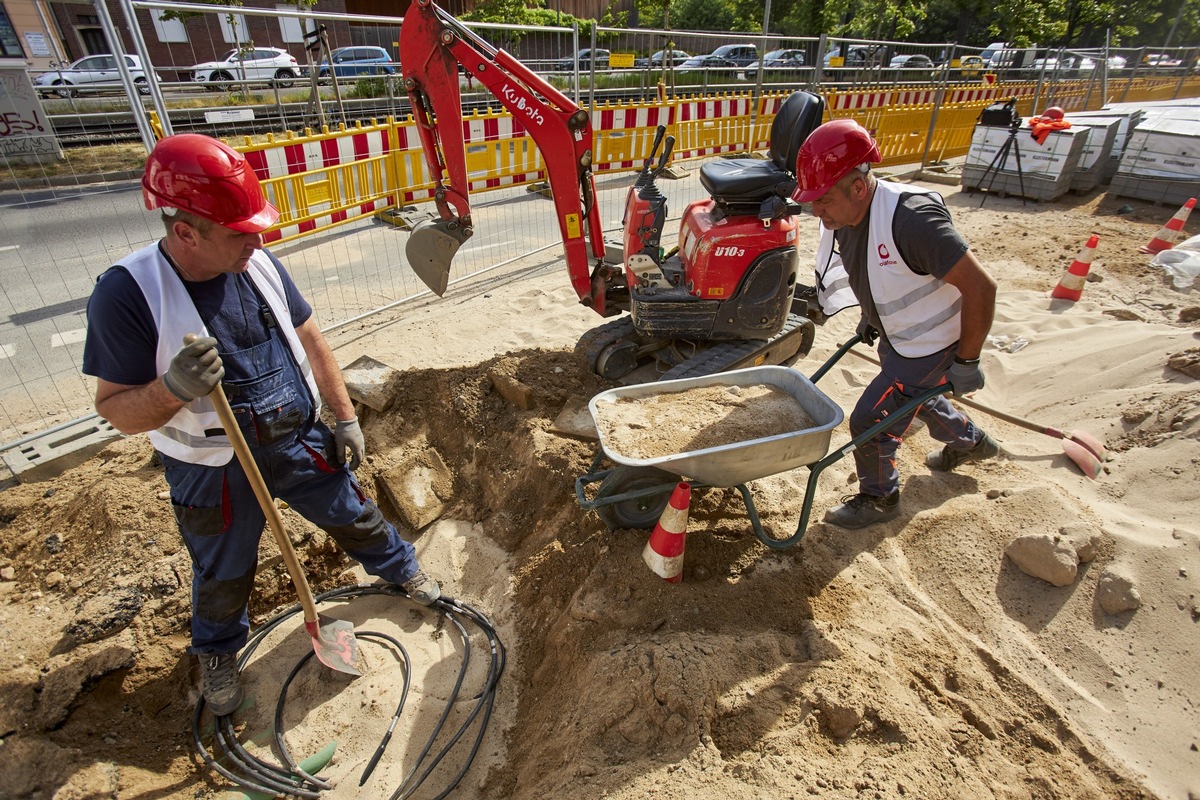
[259, 65]
[777, 60]
[353, 61]
[858, 56]
[706, 63]
[911, 61]
[93, 73]
[585, 58]
[672, 57]
[739, 54]
[971, 66]
[1161, 61]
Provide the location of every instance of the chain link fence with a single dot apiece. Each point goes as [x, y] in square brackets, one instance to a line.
[247, 75]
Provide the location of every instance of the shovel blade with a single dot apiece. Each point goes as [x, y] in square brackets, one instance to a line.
[334, 643]
[1093, 444]
[1084, 459]
[430, 249]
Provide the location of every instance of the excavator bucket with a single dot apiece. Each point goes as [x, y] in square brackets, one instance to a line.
[430, 249]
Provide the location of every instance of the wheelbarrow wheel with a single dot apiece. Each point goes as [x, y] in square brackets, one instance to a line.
[636, 512]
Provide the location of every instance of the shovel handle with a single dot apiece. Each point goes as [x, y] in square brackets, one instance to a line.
[221, 404]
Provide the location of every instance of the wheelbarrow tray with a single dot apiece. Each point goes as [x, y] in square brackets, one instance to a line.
[736, 463]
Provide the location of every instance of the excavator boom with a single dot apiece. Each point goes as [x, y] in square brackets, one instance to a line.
[433, 45]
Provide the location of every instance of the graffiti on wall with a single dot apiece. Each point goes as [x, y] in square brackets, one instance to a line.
[25, 132]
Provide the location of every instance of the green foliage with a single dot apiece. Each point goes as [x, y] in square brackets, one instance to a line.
[1048, 23]
[701, 15]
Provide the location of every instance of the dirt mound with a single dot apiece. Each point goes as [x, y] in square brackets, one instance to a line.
[907, 660]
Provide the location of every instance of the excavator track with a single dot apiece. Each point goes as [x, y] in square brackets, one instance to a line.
[794, 340]
[593, 343]
[598, 345]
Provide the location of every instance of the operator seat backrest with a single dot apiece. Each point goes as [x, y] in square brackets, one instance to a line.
[798, 116]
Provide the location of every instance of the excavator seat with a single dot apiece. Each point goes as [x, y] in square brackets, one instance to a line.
[752, 185]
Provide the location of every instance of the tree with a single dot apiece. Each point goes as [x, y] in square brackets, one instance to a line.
[701, 15]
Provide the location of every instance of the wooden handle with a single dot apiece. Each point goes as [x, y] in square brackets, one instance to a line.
[995, 412]
[217, 396]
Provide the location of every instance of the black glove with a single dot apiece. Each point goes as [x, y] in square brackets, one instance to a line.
[965, 378]
[867, 332]
[347, 433]
[194, 370]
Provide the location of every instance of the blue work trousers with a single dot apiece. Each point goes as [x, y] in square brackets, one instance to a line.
[900, 380]
[221, 520]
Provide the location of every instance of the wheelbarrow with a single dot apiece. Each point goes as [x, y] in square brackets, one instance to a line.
[634, 491]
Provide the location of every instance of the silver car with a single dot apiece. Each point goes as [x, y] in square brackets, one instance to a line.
[92, 73]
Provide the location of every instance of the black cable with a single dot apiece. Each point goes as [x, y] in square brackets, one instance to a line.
[255, 774]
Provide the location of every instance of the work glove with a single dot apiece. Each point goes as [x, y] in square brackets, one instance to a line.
[965, 378]
[195, 370]
[348, 434]
[867, 332]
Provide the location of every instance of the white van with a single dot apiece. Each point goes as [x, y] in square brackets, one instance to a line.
[1002, 55]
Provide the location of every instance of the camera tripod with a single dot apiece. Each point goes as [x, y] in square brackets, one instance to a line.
[1010, 144]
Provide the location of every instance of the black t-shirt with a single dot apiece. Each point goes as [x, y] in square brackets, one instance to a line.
[122, 339]
[924, 234]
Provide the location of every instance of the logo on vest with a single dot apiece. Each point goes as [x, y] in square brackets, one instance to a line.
[885, 258]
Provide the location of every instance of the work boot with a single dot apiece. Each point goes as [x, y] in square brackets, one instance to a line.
[860, 510]
[422, 588]
[948, 459]
[220, 682]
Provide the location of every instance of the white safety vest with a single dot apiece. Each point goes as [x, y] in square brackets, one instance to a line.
[183, 436]
[920, 314]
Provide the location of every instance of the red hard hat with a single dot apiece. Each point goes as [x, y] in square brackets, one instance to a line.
[829, 153]
[1053, 112]
[208, 178]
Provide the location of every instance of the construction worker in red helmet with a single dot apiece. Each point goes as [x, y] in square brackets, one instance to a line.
[893, 250]
[258, 340]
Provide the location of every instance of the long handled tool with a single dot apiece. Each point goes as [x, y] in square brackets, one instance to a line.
[332, 639]
[1087, 451]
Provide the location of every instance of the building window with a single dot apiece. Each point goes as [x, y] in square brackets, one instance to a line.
[10, 45]
[289, 26]
[233, 28]
[169, 30]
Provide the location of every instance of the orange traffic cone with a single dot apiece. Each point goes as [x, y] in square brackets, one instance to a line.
[663, 554]
[1165, 239]
[1070, 285]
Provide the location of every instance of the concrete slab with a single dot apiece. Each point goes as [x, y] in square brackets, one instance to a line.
[575, 419]
[56, 451]
[370, 382]
[419, 488]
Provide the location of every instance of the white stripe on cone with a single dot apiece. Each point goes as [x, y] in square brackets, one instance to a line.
[663, 553]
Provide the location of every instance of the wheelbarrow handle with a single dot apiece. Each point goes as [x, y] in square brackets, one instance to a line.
[815, 469]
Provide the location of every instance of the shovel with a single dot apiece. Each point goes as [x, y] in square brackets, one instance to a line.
[332, 639]
[1087, 451]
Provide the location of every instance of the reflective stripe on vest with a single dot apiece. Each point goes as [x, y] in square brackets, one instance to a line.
[183, 436]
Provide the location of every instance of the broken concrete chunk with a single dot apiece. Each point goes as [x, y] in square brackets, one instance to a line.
[419, 488]
[1084, 538]
[1116, 593]
[68, 676]
[104, 615]
[370, 382]
[512, 390]
[1047, 557]
[575, 419]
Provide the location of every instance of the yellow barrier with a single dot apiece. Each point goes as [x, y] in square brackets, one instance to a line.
[320, 180]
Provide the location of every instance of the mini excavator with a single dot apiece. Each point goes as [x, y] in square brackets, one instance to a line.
[723, 298]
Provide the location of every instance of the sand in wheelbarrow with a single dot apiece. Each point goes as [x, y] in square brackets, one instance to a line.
[697, 419]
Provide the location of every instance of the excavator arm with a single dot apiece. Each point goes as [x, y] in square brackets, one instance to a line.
[433, 44]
